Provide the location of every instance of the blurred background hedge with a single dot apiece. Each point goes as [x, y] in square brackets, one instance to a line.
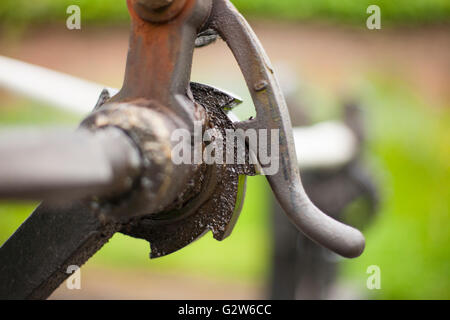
[407, 12]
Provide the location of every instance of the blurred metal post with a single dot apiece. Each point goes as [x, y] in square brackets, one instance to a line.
[301, 269]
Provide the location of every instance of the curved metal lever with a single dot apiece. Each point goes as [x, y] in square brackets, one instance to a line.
[272, 113]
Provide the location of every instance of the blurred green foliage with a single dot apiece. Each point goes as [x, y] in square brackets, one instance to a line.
[410, 240]
[22, 112]
[349, 11]
[17, 13]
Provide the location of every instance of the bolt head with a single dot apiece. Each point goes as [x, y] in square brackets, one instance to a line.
[159, 11]
[155, 4]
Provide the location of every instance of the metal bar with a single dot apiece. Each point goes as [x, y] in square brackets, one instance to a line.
[48, 86]
[326, 145]
[34, 261]
[54, 164]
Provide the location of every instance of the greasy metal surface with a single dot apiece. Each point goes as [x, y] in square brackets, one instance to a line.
[272, 113]
[150, 129]
[54, 164]
[219, 201]
[34, 261]
[213, 97]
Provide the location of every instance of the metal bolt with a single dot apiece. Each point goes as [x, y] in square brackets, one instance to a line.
[155, 4]
[261, 85]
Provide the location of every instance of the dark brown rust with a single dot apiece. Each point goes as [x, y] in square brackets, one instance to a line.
[160, 59]
[153, 102]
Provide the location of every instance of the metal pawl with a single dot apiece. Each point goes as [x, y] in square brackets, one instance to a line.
[272, 113]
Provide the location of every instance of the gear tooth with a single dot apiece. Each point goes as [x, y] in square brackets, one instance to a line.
[214, 97]
[154, 252]
[206, 38]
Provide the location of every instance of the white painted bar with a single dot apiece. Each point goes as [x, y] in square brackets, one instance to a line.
[50, 87]
[325, 145]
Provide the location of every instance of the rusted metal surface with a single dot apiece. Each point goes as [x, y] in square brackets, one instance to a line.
[160, 59]
[155, 100]
[159, 10]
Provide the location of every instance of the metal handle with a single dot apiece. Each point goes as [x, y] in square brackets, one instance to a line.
[272, 113]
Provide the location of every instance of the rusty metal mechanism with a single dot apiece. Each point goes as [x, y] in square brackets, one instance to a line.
[167, 204]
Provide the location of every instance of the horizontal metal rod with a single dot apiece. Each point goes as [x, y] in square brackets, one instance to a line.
[325, 145]
[60, 163]
[48, 86]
